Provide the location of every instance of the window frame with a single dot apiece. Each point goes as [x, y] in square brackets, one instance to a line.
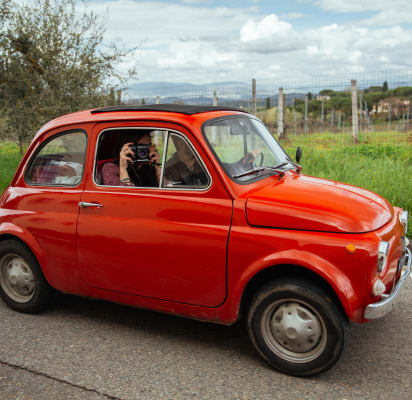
[41, 147]
[160, 187]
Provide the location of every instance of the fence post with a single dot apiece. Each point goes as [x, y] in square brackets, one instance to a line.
[305, 129]
[119, 97]
[360, 112]
[355, 123]
[332, 119]
[157, 99]
[254, 96]
[368, 120]
[281, 114]
[294, 121]
[390, 117]
[215, 99]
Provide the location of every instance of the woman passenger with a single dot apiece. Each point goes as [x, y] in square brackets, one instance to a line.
[123, 171]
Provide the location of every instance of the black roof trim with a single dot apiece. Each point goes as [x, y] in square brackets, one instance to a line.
[175, 108]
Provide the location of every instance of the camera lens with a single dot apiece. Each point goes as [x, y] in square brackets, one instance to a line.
[143, 153]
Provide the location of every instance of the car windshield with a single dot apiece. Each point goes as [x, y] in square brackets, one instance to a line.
[245, 148]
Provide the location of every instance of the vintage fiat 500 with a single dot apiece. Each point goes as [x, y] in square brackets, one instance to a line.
[198, 211]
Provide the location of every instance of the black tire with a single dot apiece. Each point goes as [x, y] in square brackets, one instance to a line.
[22, 284]
[296, 327]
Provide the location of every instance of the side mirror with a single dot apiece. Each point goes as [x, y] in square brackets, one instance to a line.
[298, 154]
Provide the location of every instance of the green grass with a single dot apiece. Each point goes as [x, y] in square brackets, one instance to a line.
[384, 168]
[9, 160]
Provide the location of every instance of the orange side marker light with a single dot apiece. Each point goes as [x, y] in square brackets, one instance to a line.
[350, 248]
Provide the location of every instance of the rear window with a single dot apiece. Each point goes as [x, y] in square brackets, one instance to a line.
[60, 161]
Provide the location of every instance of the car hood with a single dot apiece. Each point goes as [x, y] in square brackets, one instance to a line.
[308, 203]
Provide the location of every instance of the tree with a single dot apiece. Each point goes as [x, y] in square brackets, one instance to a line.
[53, 62]
[385, 86]
[327, 92]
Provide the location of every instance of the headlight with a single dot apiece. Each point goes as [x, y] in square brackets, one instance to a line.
[382, 255]
[403, 217]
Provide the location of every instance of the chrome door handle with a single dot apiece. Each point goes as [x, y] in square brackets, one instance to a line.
[83, 204]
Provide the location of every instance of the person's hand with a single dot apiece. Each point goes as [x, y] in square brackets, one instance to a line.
[154, 154]
[124, 158]
[250, 157]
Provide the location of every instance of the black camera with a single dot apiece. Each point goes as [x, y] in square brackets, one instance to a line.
[141, 152]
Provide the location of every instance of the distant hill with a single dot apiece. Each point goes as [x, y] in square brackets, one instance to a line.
[230, 93]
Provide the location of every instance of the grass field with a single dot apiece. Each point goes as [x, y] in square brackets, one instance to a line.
[383, 168]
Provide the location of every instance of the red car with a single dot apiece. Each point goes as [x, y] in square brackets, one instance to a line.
[198, 211]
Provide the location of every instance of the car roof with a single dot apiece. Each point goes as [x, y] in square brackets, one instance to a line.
[175, 108]
[166, 112]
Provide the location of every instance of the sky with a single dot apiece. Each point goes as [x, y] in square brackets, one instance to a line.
[201, 41]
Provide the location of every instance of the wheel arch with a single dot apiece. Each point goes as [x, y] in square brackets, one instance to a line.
[286, 270]
[31, 246]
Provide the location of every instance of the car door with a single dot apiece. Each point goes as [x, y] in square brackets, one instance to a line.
[48, 201]
[166, 242]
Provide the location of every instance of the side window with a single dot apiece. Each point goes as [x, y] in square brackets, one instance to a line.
[60, 161]
[130, 157]
[182, 167]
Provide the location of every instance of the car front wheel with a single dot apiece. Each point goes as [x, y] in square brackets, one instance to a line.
[296, 327]
[22, 284]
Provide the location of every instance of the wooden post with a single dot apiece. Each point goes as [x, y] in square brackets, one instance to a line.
[332, 119]
[215, 99]
[305, 129]
[119, 97]
[355, 121]
[254, 96]
[281, 114]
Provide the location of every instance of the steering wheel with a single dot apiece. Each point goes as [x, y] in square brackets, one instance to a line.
[262, 157]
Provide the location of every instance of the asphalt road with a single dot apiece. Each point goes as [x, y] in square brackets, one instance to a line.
[82, 349]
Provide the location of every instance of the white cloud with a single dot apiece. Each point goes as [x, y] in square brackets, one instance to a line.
[269, 35]
[269, 27]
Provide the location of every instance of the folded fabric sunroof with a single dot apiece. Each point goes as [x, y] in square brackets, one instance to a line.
[176, 108]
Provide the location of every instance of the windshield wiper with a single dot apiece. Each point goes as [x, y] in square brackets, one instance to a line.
[255, 170]
[297, 166]
[275, 168]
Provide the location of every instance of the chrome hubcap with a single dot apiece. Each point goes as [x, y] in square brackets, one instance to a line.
[16, 278]
[294, 330]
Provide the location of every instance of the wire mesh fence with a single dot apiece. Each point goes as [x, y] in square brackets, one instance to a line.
[327, 110]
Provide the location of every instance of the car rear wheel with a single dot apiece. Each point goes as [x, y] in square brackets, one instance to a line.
[22, 284]
[296, 327]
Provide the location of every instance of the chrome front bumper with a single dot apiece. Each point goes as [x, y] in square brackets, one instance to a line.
[378, 310]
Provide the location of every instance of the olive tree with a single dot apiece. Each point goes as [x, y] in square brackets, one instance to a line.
[53, 61]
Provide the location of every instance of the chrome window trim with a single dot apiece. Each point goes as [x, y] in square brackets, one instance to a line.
[164, 159]
[203, 189]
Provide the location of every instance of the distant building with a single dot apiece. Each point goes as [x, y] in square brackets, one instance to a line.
[322, 97]
[394, 104]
